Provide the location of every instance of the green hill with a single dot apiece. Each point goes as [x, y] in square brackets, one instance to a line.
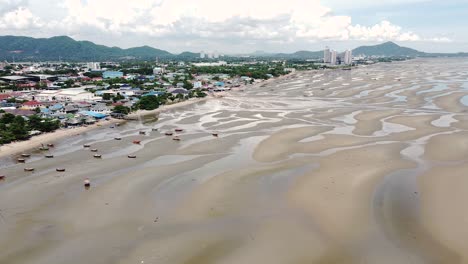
[66, 48]
[387, 49]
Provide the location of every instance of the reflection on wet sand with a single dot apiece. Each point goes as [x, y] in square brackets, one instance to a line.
[361, 166]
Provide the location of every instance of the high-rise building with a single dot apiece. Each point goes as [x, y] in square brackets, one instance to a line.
[333, 57]
[348, 57]
[327, 55]
[93, 66]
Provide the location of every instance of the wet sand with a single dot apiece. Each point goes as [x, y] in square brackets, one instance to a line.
[361, 166]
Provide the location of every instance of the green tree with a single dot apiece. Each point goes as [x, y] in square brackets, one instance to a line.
[19, 128]
[150, 102]
[106, 96]
[121, 109]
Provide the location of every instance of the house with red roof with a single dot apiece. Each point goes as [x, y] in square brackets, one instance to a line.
[30, 105]
[5, 96]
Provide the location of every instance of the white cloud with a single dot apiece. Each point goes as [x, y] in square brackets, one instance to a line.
[21, 18]
[225, 22]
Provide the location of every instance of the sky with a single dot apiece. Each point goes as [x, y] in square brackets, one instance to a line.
[243, 26]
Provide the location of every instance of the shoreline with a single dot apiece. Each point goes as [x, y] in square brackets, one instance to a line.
[18, 147]
[15, 148]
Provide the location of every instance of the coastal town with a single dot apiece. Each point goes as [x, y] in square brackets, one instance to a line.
[68, 95]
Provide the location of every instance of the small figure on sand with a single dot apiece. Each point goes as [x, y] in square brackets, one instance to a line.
[87, 183]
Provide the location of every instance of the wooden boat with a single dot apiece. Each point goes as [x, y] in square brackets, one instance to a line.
[28, 169]
[94, 150]
[178, 130]
[118, 138]
[176, 138]
[86, 145]
[142, 133]
[2, 177]
[215, 134]
[97, 156]
[49, 156]
[50, 145]
[131, 156]
[169, 133]
[87, 183]
[21, 160]
[60, 169]
[25, 155]
[136, 141]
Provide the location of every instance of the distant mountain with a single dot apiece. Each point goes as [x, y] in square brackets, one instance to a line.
[387, 49]
[66, 48]
[188, 55]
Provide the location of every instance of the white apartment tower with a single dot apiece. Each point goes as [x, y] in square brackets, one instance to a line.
[327, 55]
[333, 57]
[348, 57]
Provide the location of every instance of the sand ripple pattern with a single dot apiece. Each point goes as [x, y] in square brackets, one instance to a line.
[362, 166]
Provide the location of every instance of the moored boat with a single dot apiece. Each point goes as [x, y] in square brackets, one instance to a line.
[28, 169]
[97, 156]
[131, 156]
[2, 177]
[136, 141]
[94, 150]
[215, 134]
[154, 129]
[43, 148]
[86, 145]
[118, 138]
[87, 183]
[60, 169]
[178, 130]
[142, 133]
[169, 133]
[176, 138]
[25, 155]
[51, 145]
[49, 156]
[21, 160]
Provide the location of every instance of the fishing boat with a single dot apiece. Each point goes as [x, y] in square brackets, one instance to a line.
[21, 160]
[142, 133]
[118, 138]
[176, 138]
[60, 169]
[97, 156]
[49, 156]
[169, 133]
[87, 183]
[136, 141]
[86, 145]
[28, 169]
[178, 130]
[94, 150]
[24, 155]
[131, 156]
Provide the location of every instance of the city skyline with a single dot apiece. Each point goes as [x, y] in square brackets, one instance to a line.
[241, 26]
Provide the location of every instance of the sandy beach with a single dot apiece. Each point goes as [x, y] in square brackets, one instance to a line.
[345, 167]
